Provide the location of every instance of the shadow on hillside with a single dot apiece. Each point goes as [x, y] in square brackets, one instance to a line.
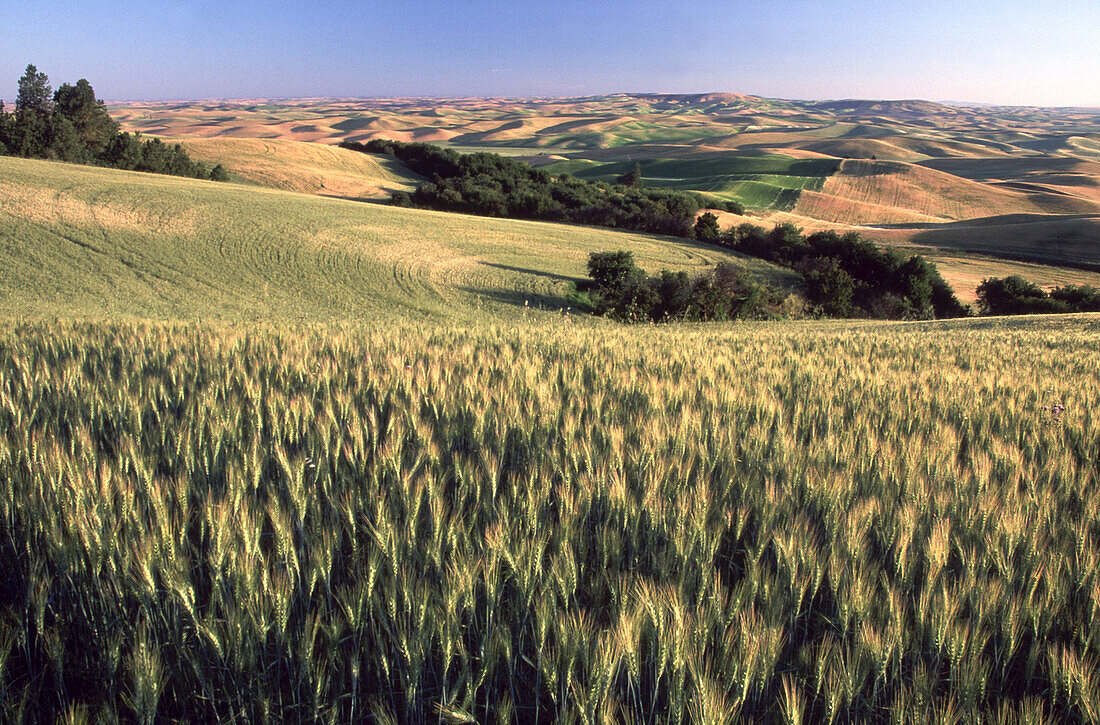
[363, 199]
[525, 270]
[520, 299]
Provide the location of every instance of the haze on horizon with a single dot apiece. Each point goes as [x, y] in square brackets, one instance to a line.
[978, 51]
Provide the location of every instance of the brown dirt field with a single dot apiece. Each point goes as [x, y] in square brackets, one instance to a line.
[833, 208]
[924, 191]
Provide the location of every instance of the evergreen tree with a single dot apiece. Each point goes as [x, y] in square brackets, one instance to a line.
[88, 115]
[65, 141]
[32, 114]
[7, 129]
[632, 178]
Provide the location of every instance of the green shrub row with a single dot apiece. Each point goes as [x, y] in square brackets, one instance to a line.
[1014, 295]
[622, 290]
[491, 185]
[845, 275]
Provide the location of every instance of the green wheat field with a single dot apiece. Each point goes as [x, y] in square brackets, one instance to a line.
[267, 457]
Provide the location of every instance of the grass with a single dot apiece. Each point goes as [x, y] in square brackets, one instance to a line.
[543, 522]
[759, 182]
[303, 167]
[81, 241]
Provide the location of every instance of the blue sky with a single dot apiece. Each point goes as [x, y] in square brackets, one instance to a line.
[997, 52]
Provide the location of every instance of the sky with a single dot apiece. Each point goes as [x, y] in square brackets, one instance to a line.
[1011, 52]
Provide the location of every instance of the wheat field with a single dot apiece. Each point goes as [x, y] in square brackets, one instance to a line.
[541, 522]
[105, 244]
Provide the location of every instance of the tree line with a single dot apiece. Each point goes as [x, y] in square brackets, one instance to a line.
[845, 275]
[492, 185]
[1014, 295]
[72, 125]
[620, 289]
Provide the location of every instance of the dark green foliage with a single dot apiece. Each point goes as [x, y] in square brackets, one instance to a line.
[706, 228]
[32, 114]
[828, 285]
[623, 291]
[65, 143]
[611, 270]
[733, 207]
[7, 128]
[131, 152]
[73, 125]
[1014, 295]
[88, 115]
[1079, 298]
[846, 275]
[492, 185]
[631, 178]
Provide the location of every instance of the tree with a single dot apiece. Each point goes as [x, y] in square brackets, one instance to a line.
[632, 178]
[88, 115]
[706, 228]
[1014, 295]
[1083, 298]
[914, 283]
[65, 141]
[611, 270]
[828, 286]
[7, 129]
[32, 114]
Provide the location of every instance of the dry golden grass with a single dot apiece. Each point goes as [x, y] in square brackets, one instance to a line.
[309, 168]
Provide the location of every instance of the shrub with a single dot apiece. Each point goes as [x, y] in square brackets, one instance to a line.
[623, 291]
[1083, 298]
[1014, 295]
[828, 286]
[706, 228]
[492, 185]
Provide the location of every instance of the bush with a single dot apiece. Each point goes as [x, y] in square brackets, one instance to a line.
[621, 290]
[847, 275]
[1014, 295]
[706, 228]
[828, 286]
[1084, 298]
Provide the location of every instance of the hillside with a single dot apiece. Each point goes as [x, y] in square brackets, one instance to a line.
[102, 243]
[305, 167]
[920, 175]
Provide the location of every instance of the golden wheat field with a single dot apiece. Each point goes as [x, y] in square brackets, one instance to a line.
[542, 522]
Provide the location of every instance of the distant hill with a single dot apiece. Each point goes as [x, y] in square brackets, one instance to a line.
[875, 164]
[905, 108]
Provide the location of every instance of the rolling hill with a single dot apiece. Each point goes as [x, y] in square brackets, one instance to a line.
[91, 242]
[305, 167]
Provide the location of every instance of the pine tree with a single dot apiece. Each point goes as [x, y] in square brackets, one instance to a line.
[32, 114]
[87, 114]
